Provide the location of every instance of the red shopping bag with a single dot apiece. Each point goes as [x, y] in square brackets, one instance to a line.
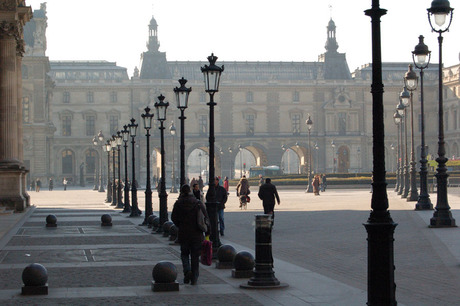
[206, 252]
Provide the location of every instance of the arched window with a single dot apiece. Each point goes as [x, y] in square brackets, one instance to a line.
[67, 162]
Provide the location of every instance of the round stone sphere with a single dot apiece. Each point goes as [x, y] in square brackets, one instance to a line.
[173, 231]
[155, 222]
[243, 261]
[51, 219]
[166, 226]
[150, 219]
[106, 218]
[164, 272]
[35, 275]
[226, 253]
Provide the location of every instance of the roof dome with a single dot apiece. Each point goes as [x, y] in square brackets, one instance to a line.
[331, 25]
[153, 23]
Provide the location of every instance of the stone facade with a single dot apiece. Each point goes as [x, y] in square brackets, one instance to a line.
[261, 106]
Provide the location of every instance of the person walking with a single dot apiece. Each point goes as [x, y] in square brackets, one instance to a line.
[242, 191]
[200, 183]
[226, 184]
[50, 184]
[268, 194]
[221, 198]
[190, 237]
[316, 183]
[197, 192]
[38, 185]
[64, 182]
[323, 182]
[261, 180]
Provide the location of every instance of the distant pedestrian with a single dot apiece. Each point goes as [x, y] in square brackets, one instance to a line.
[193, 182]
[38, 185]
[197, 192]
[242, 191]
[50, 184]
[64, 182]
[200, 183]
[261, 180]
[226, 184]
[316, 184]
[268, 194]
[190, 236]
[323, 182]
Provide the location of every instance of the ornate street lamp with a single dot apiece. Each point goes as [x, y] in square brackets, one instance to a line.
[135, 212]
[100, 138]
[411, 83]
[212, 74]
[421, 57]
[182, 94]
[107, 148]
[161, 107]
[333, 156]
[232, 174]
[125, 133]
[172, 130]
[113, 144]
[316, 164]
[147, 118]
[397, 118]
[96, 186]
[240, 149]
[440, 11]
[404, 98]
[381, 287]
[118, 142]
[309, 123]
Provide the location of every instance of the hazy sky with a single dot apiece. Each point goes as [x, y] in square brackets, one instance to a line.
[240, 30]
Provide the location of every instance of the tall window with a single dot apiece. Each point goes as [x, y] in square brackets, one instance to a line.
[295, 96]
[66, 125]
[250, 122]
[455, 121]
[203, 124]
[90, 97]
[25, 110]
[342, 117]
[67, 162]
[66, 97]
[249, 97]
[296, 124]
[91, 158]
[113, 124]
[113, 97]
[90, 125]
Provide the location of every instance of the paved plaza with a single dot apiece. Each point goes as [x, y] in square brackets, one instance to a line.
[319, 247]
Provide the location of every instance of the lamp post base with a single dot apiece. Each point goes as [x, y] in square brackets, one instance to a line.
[424, 203]
[442, 218]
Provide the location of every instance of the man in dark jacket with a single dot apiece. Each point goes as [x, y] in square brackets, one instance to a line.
[268, 193]
[190, 237]
[221, 198]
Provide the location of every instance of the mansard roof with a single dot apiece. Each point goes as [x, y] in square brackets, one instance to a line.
[87, 70]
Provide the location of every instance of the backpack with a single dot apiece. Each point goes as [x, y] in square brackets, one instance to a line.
[202, 221]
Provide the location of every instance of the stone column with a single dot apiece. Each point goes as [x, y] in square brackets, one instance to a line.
[13, 16]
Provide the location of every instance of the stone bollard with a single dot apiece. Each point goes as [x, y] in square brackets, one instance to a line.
[35, 278]
[155, 224]
[225, 255]
[173, 231]
[150, 220]
[51, 221]
[164, 277]
[106, 220]
[243, 265]
[166, 226]
[264, 276]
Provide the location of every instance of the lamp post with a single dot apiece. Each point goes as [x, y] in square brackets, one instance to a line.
[421, 57]
[404, 98]
[358, 151]
[440, 10]
[240, 148]
[232, 174]
[316, 164]
[125, 133]
[135, 212]
[411, 82]
[147, 118]
[182, 94]
[161, 107]
[113, 144]
[212, 74]
[380, 226]
[100, 137]
[397, 118]
[96, 186]
[172, 130]
[119, 141]
[107, 148]
[333, 156]
[309, 123]
[401, 109]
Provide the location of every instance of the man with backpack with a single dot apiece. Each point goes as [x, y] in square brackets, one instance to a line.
[190, 236]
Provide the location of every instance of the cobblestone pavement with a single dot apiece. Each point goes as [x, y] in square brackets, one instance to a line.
[319, 245]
